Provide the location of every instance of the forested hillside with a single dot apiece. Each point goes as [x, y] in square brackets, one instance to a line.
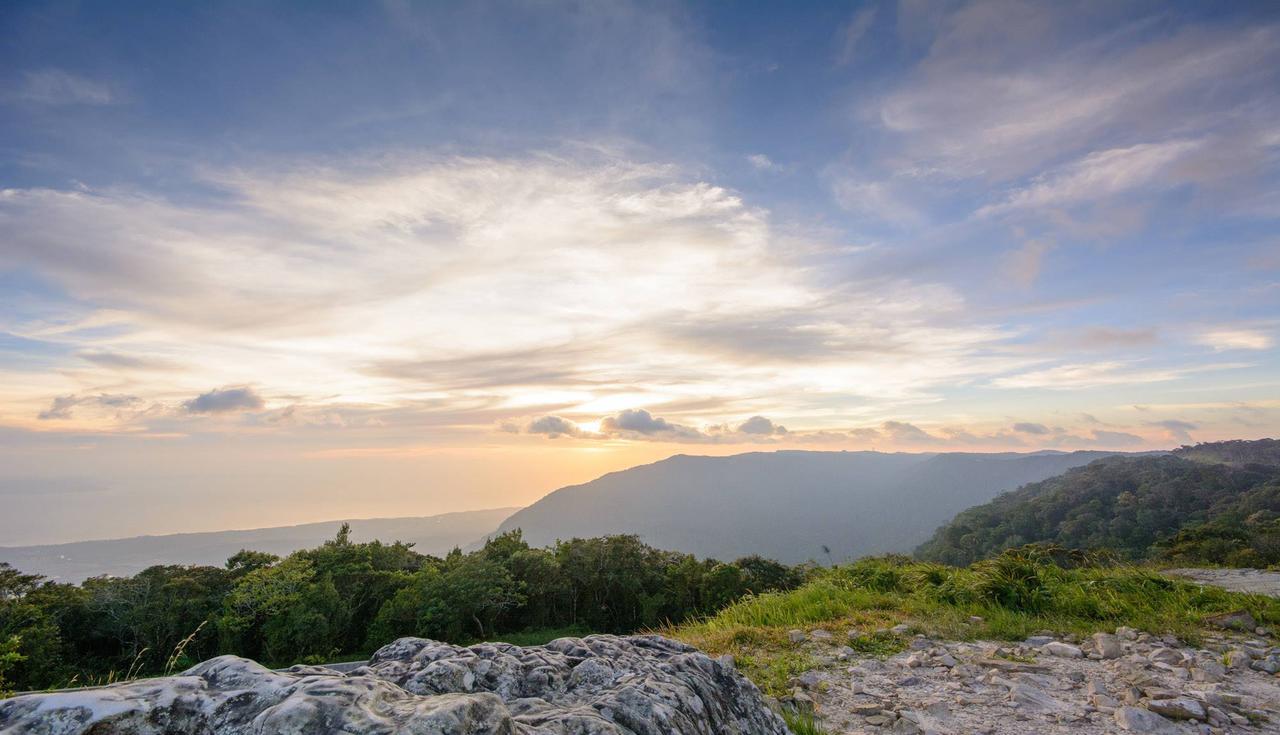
[787, 505]
[1212, 503]
[343, 599]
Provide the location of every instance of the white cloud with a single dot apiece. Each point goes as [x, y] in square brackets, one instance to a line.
[761, 162]
[1225, 339]
[476, 286]
[1099, 176]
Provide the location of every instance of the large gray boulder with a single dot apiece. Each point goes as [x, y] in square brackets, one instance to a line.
[598, 685]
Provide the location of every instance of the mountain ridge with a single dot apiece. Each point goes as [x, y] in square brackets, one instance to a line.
[850, 503]
[78, 560]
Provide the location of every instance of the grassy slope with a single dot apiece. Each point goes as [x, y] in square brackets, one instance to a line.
[1016, 594]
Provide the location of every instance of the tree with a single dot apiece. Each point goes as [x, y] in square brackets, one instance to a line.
[244, 561]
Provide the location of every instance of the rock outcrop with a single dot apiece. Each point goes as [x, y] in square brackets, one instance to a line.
[1106, 684]
[598, 685]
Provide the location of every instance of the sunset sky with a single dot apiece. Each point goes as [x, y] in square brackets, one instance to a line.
[275, 263]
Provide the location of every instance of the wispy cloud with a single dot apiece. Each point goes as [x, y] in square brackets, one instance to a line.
[61, 87]
[483, 284]
[1225, 339]
[1080, 376]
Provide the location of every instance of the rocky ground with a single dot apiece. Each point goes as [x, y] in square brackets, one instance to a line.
[598, 685]
[1124, 682]
[1252, 581]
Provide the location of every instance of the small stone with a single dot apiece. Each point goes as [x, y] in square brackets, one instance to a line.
[1062, 650]
[1178, 708]
[820, 635]
[1127, 633]
[1167, 656]
[810, 679]
[1036, 641]
[796, 636]
[1209, 671]
[1134, 719]
[1239, 620]
[900, 629]
[1107, 645]
[1270, 665]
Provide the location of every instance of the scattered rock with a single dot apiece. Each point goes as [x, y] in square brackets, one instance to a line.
[1239, 620]
[1178, 708]
[1167, 656]
[821, 635]
[797, 636]
[1107, 646]
[1134, 719]
[1065, 650]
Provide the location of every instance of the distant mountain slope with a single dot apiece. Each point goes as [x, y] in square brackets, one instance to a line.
[74, 562]
[785, 505]
[1212, 503]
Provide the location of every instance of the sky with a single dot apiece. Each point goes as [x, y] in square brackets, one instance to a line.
[271, 263]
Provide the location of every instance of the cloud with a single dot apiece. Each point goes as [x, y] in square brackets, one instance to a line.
[866, 434]
[1100, 175]
[1003, 104]
[905, 433]
[1179, 430]
[62, 406]
[59, 87]
[761, 162]
[553, 426]
[1116, 438]
[544, 283]
[121, 361]
[1024, 264]
[761, 426]
[850, 35]
[639, 421]
[222, 400]
[1108, 338]
[1222, 340]
[1023, 427]
[1080, 376]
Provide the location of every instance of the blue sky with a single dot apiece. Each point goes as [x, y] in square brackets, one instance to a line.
[340, 259]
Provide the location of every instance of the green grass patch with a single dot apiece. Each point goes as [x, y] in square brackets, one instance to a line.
[802, 723]
[1018, 594]
[537, 637]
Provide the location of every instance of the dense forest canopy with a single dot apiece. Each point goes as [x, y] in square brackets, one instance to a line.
[344, 599]
[1212, 503]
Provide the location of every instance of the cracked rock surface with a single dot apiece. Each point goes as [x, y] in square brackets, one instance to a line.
[598, 685]
[1126, 682]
